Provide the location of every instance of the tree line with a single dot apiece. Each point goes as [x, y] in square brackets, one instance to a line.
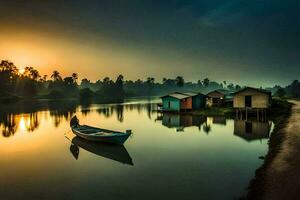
[30, 83]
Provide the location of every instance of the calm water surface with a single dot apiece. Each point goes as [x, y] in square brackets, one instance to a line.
[168, 156]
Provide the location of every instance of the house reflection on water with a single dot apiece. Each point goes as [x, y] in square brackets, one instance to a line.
[181, 121]
[218, 120]
[252, 130]
[248, 130]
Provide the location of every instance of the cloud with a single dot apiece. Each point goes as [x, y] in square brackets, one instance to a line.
[226, 13]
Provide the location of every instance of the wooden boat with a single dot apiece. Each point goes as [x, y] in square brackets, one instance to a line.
[110, 151]
[98, 134]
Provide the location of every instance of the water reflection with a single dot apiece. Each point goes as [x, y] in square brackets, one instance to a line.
[251, 130]
[27, 117]
[109, 110]
[61, 110]
[181, 121]
[213, 120]
[219, 120]
[154, 148]
[248, 130]
[113, 152]
[10, 123]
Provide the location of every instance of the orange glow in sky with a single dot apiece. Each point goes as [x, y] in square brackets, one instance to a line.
[93, 58]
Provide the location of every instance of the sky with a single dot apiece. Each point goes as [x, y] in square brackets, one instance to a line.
[252, 43]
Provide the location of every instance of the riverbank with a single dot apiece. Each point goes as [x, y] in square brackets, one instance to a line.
[279, 176]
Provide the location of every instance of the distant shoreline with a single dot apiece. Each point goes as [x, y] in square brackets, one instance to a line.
[11, 100]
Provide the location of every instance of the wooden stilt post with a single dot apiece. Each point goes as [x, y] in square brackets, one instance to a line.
[241, 115]
[260, 113]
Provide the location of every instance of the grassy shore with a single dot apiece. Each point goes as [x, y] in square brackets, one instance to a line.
[280, 112]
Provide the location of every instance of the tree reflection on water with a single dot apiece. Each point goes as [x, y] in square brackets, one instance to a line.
[11, 122]
[27, 116]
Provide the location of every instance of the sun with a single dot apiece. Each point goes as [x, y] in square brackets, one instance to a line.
[21, 71]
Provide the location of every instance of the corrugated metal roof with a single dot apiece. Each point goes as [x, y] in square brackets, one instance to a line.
[178, 96]
[190, 93]
[181, 95]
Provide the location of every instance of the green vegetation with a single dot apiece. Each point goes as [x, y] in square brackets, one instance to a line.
[18, 84]
[290, 91]
[28, 83]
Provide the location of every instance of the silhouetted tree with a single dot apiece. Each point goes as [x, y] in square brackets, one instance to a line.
[230, 86]
[85, 83]
[69, 80]
[56, 76]
[179, 81]
[280, 92]
[206, 82]
[199, 83]
[8, 75]
[75, 77]
[237, 87]
[294, 89]
[119, 86]
[150, 80]
[45, 78]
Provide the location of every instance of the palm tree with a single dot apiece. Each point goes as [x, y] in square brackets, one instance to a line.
[56, 76]
[45, 78]
[34, 74]
[74, 77]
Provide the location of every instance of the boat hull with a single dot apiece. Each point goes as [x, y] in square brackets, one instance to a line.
[114, 139]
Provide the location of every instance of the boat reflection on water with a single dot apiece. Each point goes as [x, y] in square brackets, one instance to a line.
[251, 130]
[74, 150]
[110, 151]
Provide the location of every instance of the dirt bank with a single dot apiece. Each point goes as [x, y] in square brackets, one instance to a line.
[279, 177]
[282, 179]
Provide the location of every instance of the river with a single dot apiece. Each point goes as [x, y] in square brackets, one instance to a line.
[168, 156]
